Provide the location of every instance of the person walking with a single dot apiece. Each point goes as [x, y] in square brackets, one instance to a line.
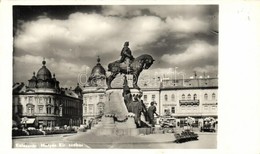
[151, 111]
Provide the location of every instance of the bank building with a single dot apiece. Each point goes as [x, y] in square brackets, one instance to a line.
[179, 98]
[42, 103]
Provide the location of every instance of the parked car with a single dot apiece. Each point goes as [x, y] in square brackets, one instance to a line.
[167, 122]
[208, 125]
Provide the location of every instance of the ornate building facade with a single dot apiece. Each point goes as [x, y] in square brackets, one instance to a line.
[178, 98]
[94, 97]
[44, 103]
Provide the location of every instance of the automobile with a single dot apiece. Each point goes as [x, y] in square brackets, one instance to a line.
[208, 125]
[166, 122]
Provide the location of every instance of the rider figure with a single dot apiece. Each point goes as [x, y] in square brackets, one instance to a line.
[126, 52]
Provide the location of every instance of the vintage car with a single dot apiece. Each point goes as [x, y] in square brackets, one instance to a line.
[167, 122]
[209, 125]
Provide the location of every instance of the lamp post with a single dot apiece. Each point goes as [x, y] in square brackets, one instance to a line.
[183, 75]
[175, 70]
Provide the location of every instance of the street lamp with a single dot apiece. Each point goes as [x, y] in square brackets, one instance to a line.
[175, 70]
[183, 74]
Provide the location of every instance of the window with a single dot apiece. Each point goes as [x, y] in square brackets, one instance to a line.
[183, 97]
[206, 107]
[30, 100]
[153, 97]
[145, 97]
[189, 97]
[30, 109]
[100, 108]
[206, 97]
[49, 123]
[213, 96]
[48, 108]
[101, 97]
[194, 96]
[85, 109]
[167, 112]
[173, 97]
[90, 108]
[40, 100]
[41, 109]
[166, 97]
[173, 109]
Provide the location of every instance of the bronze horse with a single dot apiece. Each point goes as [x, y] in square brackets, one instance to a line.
[136, 67]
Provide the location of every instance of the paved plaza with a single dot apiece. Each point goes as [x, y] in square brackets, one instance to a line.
[88, 140]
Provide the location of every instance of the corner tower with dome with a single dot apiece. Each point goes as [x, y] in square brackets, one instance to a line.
[94, 93]
[44, 80]
[44, 104]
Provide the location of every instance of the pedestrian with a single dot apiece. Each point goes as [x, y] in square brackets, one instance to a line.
[151, 112]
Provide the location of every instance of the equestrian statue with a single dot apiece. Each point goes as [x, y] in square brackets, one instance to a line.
[129, 65]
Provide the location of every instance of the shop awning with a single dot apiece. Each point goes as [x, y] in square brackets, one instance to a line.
[28, 121]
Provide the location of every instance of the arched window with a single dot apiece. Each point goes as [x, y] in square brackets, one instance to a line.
[189, 97]
[213, 96]
[183, 97]
[166, 97]
[173, 97]
[206, 96]
[194, 96]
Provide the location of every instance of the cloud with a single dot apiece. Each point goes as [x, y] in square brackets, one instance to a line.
[197, 52]
[64, 70]
[206, 69]
[175, 35]
[181, 25]
[84, 33]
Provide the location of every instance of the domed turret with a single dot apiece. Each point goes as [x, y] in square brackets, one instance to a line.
[44, 73]
[98, 70]
[98, 74]
[33, 81]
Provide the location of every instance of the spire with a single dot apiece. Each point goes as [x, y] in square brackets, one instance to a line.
[53, 75]
[43, 62]
[98, 59]
[33, 73]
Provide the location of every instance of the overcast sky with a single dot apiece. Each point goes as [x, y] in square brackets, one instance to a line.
[71, 37]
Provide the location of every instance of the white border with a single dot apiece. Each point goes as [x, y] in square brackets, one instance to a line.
[239, 77]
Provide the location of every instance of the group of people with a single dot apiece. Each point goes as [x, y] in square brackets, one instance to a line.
[135, 104]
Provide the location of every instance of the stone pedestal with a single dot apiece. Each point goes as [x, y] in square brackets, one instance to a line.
[115, 109]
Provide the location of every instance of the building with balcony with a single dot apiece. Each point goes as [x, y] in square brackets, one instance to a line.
[178, 98]
[44, 103]
[195, 98]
